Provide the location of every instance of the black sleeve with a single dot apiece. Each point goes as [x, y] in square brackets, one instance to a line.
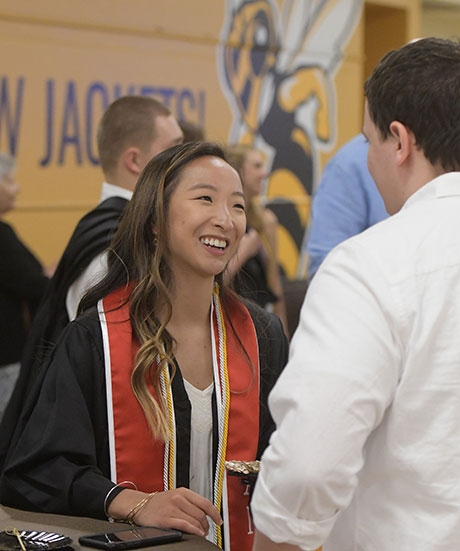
[273, 355]
[20, 272]
[60, 463]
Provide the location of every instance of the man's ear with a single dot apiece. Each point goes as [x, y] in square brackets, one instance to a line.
[131, 158]
[404, 141]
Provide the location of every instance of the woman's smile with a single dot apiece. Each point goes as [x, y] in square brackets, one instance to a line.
[214, 244]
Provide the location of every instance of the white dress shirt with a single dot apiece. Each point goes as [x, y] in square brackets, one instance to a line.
[366, 455]
[97, 268]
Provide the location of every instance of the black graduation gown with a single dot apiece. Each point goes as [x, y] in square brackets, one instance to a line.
[90, 238]
[60, 462]
[251, 282]
[22, 285]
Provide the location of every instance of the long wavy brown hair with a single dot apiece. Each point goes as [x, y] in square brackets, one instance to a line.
[136, 257]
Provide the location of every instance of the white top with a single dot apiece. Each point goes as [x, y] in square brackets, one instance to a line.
[97, 268]
[368, 408]
[201, 439]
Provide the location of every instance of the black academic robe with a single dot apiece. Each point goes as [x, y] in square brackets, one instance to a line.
[251, 282]
[60, 463]
[22, 285]
[90, 238]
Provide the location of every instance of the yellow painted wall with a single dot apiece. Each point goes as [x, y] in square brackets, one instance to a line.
[442, 21]
[83, 56]
[62, 62]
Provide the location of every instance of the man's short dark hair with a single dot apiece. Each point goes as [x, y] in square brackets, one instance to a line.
[128, 121]
[192, 132]
[419, 86]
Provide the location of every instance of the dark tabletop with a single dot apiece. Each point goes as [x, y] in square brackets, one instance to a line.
[74, 527]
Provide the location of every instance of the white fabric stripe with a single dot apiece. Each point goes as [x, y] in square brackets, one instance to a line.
[166, 453]
[225, 513]
[215, 368]
[174, 434]
[218, 392]
[108, 389]
[221, 452]
[258, 359]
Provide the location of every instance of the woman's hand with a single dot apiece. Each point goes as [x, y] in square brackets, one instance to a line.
[180, 509]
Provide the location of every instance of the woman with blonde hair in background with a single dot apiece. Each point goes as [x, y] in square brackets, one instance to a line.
[165, 373]
[254, 268]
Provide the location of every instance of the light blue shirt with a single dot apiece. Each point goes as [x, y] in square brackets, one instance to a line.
[346, 203]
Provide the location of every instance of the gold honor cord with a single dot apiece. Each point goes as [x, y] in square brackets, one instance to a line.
[169, 456]
[224, 408]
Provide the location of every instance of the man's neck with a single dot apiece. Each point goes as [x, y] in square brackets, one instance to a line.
[125, 180]
[416, 174]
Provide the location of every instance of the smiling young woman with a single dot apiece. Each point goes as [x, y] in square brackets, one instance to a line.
[164, 375]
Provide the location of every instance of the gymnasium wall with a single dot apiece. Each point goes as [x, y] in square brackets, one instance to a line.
[284, 76]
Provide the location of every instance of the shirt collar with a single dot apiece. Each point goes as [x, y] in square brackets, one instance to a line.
[109, 190]
[446, 185]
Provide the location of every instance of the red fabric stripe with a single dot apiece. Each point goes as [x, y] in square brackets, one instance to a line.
[138, 457]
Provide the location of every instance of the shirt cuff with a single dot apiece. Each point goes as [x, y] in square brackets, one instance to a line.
[281, 526]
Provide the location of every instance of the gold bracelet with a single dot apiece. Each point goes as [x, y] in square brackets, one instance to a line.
[142, 503]
[119, 485]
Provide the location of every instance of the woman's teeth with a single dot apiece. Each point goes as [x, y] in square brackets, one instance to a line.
[219, 243]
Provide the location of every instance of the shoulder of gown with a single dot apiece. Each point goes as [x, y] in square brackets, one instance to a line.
[58, 461]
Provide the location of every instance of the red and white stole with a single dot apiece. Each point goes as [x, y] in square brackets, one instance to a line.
[150, 464]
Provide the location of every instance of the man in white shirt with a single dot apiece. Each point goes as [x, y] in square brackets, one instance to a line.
[133, 129]
[366, 455]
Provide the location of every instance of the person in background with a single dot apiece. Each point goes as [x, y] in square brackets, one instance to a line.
[254, 268]
[366, 454]
[164, 376]
[191, 131]
[346, 202]
[133, 129]
[22, 285]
